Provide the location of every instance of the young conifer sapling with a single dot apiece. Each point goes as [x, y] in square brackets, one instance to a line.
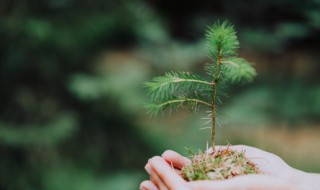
[183, 90]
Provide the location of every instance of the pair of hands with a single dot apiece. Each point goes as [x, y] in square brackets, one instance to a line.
[277, 175]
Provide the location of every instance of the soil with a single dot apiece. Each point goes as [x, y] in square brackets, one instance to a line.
[218, 165]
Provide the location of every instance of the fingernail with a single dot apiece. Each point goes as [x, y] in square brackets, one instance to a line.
[151, 188]
[147, 168]
[148, 187]
[142, 187]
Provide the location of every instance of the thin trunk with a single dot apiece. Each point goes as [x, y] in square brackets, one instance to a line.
[215, 82]
[213, 129]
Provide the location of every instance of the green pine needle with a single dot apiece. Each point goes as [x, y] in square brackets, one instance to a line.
[238, 70]
[193, 104]
[222, 39]
[165, 86]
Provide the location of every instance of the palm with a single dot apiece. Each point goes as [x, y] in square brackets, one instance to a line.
[267, 162]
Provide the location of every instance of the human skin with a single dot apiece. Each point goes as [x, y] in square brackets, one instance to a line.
[276, 174]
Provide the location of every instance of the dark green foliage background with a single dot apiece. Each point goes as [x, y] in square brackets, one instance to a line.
[72, 74]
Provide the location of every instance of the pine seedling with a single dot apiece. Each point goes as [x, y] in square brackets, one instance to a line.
[183, 90]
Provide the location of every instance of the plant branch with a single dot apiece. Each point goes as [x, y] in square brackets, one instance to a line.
[185, 100]
[178, 80]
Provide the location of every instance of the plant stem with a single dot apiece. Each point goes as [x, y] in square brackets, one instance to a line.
[215, 82]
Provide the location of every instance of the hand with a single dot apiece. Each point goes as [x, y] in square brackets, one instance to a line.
[164, 173]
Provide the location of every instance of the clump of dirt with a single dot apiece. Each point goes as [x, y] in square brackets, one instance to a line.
[221, 164]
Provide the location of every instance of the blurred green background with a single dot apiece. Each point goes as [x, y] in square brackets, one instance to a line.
[72, 74]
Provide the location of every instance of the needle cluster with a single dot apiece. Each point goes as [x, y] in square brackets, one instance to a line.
[183, 90]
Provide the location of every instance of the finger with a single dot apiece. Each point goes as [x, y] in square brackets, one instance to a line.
[157, 180]
[261, 182]
[166, 173]
[148, 185]
[154, 179]
[177, 171]
[175, 159]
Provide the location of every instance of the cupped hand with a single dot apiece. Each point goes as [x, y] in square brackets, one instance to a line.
[276, 174]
